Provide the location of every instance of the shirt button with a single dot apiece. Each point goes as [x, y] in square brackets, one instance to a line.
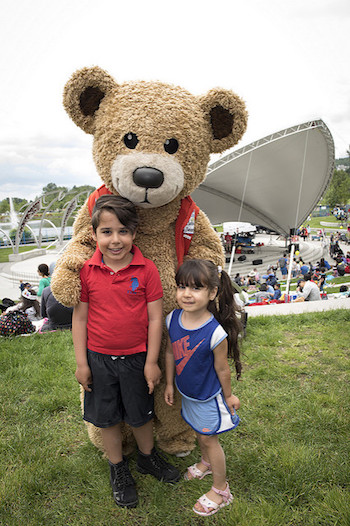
[111, 273]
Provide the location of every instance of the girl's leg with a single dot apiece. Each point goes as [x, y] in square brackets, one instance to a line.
[199, 465]
[112, 443]
[213, 453]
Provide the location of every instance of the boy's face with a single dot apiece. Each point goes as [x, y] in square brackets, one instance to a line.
[114, 240]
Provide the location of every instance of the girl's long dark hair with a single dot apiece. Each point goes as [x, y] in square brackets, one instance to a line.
[203, 273]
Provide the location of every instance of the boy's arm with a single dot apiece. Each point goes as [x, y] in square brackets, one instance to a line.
[155, 323]
[169, 374]
[79, 333]
[223, 371]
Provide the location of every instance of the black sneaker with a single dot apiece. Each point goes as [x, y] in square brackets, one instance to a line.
[156, 465]
[123, 485]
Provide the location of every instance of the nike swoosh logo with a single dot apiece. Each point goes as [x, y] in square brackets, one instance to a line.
[180, 366]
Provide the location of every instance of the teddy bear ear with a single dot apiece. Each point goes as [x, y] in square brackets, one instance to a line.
[83, 94]
[227, 117]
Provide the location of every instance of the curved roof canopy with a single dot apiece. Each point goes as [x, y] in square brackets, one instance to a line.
[275, 182]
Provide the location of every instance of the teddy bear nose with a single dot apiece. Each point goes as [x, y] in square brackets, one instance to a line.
[148, 177]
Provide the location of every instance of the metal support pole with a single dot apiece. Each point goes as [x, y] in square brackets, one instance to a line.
[291, 257]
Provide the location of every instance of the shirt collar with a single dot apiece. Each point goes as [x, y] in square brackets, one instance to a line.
[137, 259]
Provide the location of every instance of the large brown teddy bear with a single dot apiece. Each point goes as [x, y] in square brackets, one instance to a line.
[152, 143]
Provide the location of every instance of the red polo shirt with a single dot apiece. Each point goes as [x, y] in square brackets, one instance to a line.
[117, 317]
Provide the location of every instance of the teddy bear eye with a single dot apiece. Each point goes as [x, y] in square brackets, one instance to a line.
[130, 140]
[171, 146]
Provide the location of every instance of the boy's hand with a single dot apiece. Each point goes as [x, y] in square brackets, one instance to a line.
[233, 403]
[169, 394]
[152, 375]
[84, 377]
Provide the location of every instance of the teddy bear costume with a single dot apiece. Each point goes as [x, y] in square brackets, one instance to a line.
[152, 143]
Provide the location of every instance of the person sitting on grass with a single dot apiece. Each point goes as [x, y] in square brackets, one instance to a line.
[201, 335]
[28, 304]
[277, 293]
[263, 294]
[43, 271]
[56, 315]
[117, 330]
[307, 290]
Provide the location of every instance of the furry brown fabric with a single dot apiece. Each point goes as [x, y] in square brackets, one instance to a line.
[153, 114]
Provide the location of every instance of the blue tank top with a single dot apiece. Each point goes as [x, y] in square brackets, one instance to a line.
[196, 377]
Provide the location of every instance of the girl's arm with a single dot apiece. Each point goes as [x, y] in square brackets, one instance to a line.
[169, 374]
[155, 323]
[79, 333]
[223, 371]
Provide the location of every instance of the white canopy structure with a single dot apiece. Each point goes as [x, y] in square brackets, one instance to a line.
[233, 227]
[274, 182]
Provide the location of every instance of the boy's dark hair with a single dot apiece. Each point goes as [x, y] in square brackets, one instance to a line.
[124, 209]
[203, 273]
[43, 269]
[343, 288]
[263, 287]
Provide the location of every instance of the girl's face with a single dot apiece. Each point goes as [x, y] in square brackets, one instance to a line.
[194, 299]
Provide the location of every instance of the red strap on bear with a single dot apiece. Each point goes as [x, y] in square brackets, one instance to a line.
[184, 227]
[102, 190]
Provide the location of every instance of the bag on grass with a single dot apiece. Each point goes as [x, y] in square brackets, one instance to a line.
[15, 323]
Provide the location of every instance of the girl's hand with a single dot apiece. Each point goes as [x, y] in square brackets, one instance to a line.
[233, 403]
[84, 377]
[152, 375]
[169, 394]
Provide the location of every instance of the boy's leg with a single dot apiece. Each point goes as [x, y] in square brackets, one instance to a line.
[122, 482]
[149, 461]
[112, 443]
[144, 437]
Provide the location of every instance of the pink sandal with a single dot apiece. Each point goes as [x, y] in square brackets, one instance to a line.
[197, 473]
[207, 504]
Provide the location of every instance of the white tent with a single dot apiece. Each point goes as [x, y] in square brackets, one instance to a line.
[275, 182]
[234, 227]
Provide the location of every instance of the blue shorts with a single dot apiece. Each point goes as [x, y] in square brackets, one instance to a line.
[284, 271]
[119, 391]
[208, 417]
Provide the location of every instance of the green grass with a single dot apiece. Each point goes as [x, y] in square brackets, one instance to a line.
[315, 222]
[4, 252]
[287, 462]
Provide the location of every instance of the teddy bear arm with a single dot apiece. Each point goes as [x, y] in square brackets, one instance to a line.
[205, 242]
[65, 282]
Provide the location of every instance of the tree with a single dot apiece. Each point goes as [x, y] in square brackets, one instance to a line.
[4, 206]
[338, 192]
[50, 187]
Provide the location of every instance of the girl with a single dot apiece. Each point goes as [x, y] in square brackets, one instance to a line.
[198, 347]
[43, 271]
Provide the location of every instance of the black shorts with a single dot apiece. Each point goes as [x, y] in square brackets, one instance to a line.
[119, 391]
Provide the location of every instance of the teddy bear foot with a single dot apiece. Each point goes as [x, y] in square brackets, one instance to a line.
[181, 454]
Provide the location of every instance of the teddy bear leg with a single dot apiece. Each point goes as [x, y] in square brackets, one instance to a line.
[173, 434]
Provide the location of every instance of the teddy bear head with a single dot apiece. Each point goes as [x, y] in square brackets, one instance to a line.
[152, 141]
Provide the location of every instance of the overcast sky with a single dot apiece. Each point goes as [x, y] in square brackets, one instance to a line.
[288, 59]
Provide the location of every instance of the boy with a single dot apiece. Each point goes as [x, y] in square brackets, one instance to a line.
[117, 329]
